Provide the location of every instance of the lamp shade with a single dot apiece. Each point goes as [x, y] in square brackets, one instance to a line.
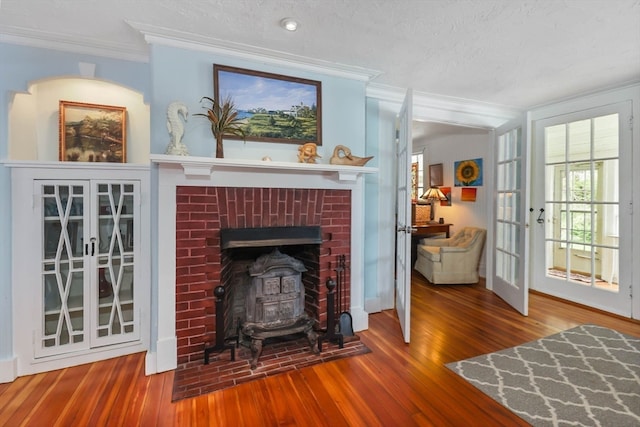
[433, 193]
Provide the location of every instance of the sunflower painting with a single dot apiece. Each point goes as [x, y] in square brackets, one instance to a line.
[468, 173]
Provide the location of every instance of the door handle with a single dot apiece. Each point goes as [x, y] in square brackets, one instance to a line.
[540, 219]
[404, 228]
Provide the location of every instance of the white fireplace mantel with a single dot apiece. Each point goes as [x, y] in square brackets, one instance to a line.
[195, 167]
[174, 171]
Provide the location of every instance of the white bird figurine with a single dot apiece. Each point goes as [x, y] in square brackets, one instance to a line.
[342, 156]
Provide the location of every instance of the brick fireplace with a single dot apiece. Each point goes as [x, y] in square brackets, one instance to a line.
[197, 196]
[201, 264]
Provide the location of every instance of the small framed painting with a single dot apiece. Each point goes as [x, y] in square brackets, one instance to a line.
[414, 181]
[447, 192]
[468, 194]
[435, 175]
[92, 133]
[468, 173]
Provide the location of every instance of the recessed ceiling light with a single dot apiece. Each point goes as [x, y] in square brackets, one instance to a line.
[289, 24]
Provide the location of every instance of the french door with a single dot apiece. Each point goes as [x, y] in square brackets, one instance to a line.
[582, 251]
[509, 279]
[403, 217]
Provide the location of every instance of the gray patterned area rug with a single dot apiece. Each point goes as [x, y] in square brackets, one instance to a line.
[585, 376]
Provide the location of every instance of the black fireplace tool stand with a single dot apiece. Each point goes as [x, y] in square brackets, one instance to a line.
[220, 345]
[331, 334]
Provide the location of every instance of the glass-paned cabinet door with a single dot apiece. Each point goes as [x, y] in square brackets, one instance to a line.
[62, 300]
[116, 317]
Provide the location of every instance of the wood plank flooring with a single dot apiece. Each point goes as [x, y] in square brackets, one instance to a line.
[395, 385]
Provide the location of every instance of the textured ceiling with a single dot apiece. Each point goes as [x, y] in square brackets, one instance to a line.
[516, 53]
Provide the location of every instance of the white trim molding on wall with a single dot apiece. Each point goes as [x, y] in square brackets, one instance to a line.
[191, 41]
[446, 109]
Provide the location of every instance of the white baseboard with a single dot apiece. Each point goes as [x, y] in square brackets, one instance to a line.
[372, 305]
[482, 270]
[166, 355]
[150, 364]
[8, 370]
[360, 319]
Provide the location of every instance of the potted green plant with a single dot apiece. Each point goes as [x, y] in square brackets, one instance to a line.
[224, 120]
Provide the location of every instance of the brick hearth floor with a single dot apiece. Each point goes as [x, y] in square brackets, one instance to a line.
[276, 358]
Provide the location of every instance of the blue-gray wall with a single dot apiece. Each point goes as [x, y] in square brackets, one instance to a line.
[172, 74]
[187, 76]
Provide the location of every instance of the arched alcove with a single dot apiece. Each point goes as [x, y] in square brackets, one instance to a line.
[34, 116]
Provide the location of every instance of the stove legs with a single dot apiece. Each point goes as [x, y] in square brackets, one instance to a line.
[256, 347]
[256, 351]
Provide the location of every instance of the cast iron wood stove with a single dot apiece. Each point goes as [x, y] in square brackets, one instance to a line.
[275, 303]
[274, 299]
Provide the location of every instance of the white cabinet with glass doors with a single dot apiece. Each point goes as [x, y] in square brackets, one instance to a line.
[88, 264]
[82, 270]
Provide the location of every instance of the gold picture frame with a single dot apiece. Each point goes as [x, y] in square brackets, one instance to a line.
[92, 132]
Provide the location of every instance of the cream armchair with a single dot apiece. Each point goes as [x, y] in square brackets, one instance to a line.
[452, 260]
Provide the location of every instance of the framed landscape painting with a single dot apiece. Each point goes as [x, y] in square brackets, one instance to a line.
[273, 107]
[92, 132]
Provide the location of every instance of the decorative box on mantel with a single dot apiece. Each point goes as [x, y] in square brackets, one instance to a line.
[177, 172]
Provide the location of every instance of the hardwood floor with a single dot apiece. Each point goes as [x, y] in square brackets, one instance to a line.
[395, 385]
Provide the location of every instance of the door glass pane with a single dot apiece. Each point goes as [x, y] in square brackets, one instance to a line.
[515, 246]
[507, 207]
[609, 277]
[514, 206]
[579, 144]
[555, 144]
[116, 309]
[605, 137]
[500, 177]
[62, 265]
[607, 181]
[508, 176]
[500, 235]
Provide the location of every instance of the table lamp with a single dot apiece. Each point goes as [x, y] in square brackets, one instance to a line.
[432, 195]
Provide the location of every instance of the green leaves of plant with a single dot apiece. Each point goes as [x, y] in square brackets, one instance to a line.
[223, 117]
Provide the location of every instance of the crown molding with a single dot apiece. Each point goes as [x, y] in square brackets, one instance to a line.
[446, 109]
[66, 43]
[428, 107]
[185, 40]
